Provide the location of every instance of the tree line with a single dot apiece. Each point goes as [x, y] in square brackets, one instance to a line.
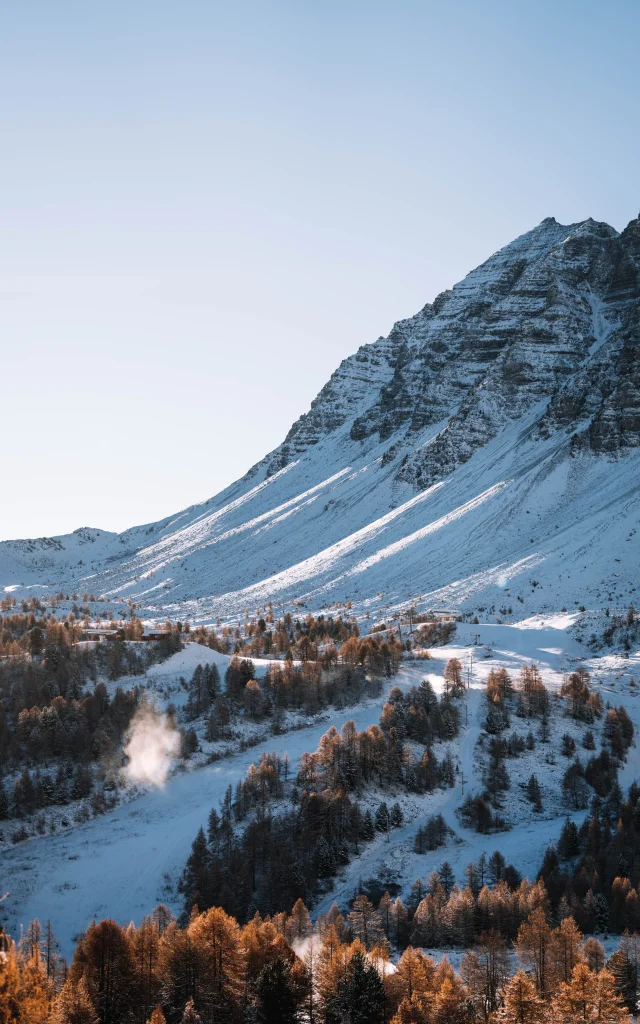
[279, 969]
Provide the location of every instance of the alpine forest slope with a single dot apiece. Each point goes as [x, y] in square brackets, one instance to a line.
[491, 442]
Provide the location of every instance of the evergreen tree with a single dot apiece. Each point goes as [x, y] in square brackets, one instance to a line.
[397, 817]
[277, 1000]
[447, 878]
[382, 821]
[4, 802]
[360, 995]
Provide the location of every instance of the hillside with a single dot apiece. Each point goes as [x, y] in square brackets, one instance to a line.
[486, 450]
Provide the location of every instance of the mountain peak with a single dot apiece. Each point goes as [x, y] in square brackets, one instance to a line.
[483, 437]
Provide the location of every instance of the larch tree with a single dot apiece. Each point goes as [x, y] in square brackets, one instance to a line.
[365, 922]
[411, 1012]
[533, 946]
[157, 1016]
[74, 1005]
[521, 1003]
[104, 958]
[588, 997]
[299, 925]
[191, 1015]
[485, 970]
[220, 956]
[593, 953]
[566, 949]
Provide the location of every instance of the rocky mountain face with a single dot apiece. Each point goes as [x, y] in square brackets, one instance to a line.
[552, 319]
[495, 431]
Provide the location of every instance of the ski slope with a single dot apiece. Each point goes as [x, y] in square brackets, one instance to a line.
[125, 862]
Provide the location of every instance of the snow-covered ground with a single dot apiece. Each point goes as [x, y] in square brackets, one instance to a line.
[336, 525]
[123, 863]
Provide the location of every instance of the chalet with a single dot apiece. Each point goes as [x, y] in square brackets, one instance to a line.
[444, 616]
[100, 634]
[155, 634]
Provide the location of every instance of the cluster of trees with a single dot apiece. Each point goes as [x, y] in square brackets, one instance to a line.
[432, 834]
[419, 715]
[582, 703]
[622, 629]
[477, 813]
[305, 638]
[531, 698]
[347, 760]
[432, 632]
[278, 857]
[66, 743]
[34, 631]
[35, 791]
[278, 970]
[51, 666]
[595, 869]
[88, 728]
[203, 689]
[309, 687]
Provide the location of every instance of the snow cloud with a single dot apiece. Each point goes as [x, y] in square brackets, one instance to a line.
[152, 743]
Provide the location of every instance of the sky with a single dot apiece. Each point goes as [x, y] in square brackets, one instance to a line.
[205, 206]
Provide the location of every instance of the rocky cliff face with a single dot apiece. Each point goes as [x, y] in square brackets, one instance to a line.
[552, 320]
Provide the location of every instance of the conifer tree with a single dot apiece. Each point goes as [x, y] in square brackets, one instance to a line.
[191, 1015]
[104, 959]
[588, 997]
[360, 995]
[624, 965]
[534, 947]
[365, 922]
[299, 924]
[277, 998]
[74, 1005]
[157, 1017]
[566, 949]
[521, 1002]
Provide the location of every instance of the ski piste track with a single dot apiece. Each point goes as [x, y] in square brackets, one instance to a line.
[117, 865]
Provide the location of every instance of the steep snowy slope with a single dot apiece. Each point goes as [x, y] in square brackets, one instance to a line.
[490, 440]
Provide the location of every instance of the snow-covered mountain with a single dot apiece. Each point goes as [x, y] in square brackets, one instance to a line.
[487, 449]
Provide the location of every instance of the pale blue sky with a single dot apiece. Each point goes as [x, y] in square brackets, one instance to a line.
[205, 206]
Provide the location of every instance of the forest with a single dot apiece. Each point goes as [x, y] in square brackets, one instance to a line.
[281, 969]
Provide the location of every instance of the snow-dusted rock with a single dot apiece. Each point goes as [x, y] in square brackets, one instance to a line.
[495, 431]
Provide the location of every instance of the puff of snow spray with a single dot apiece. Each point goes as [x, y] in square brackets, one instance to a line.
[152, 743]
